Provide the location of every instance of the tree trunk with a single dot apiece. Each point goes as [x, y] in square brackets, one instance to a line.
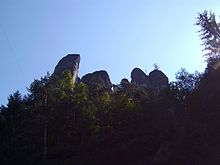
[45, 142]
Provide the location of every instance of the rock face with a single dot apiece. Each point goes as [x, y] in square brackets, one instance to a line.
[123, 85]
[69, 62]
[139, 78]
[124, 82]
[98, 80]
[156, 80]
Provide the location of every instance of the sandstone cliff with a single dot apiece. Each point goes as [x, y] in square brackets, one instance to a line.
[69, 62]
[98, 80]
[156, 80]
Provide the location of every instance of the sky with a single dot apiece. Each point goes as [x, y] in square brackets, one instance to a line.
[114, 35]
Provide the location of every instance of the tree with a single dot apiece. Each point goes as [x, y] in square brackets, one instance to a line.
[15, 105]
[66, 84]
[186, 83]
[83, 114]
[38, 94]
[210, 35]
[156, 66]
[14, 100]
[38, 91]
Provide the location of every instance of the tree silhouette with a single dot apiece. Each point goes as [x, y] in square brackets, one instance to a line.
[210, 35]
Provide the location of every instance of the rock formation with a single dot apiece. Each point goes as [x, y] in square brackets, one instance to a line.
[98, 80]
[123, 85]
[139, 78]
[69, 62]
[124, 82]
[156, 80]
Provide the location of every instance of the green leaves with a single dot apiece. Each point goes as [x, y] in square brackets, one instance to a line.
[65, 84]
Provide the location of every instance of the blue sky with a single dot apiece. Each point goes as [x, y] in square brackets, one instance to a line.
[115, 35]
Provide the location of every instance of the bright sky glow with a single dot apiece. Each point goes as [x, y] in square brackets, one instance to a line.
[115, 35]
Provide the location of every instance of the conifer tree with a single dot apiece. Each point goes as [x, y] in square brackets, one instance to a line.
[210, 35]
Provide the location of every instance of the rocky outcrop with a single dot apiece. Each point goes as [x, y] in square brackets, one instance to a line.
[69, 62]
[124, 82]
[139, 78]
[123, 85]
[156, 80]
[98, 81]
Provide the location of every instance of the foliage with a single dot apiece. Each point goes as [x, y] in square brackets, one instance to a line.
[58, 113]
[210, 35]
[156, 66]
[186, 83]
